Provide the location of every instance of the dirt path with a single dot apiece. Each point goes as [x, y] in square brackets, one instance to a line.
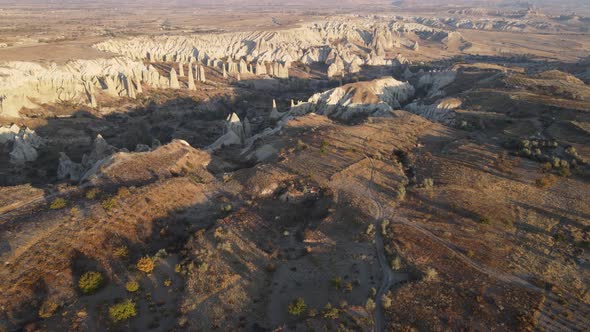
[389, 278]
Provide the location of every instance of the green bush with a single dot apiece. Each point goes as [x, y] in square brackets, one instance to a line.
[92, 193]
[109, 203]
[546, 181]
[90, 282]
[485, 220]
[58, 203]
[122, 311]
[297, 307]
[48, 309]
[146, 264]
[330, 312]
[132, 286]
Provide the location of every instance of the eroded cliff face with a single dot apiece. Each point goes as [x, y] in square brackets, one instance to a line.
[344, 45]
[377, 98]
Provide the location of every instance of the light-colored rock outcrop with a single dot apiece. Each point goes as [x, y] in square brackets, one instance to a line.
[200, 73]
[24, 84]
[99, 155]
[442, 111]
[191, 79]
[25, 144]
[342, 44]
[67, 169]
[377, 97]
[23, 151]
[435, 81]
[235, 133]
[174, 84]
[274, 113]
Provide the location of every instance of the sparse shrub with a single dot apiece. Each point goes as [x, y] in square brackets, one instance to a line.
[203, 267]
[370, 305]
[370, 230]
[146, 264]
[75, 212]
[484, 220]
[297, 307]
[123, 192]
[526, 152]
[564, 171]
[396, 263]
[324, 147]
[547, 167]
[58, 203]
[336, 282]
[348, 287]
[401, 192]
[161, 254]
[177, 268]
[90, 282]
[122, 311]
[167, 283]
[301, 146]
[571, 151]
[330, 312]
[48, 308]
[92, 193]
[384, 225]
[195, 178]
[109, 203]
[430, 274]
[386, 300]
[225, 245]
[546, 181]
[121, 252]
[132, 286]
[558, 237]
[428, 183]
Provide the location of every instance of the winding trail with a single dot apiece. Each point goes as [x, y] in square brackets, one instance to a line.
[388, 278]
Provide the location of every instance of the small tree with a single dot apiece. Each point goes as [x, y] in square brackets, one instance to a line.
[132, 286]
[297, 307]
[122, 311]
[58, 203]
[146, 264]
[90, 282]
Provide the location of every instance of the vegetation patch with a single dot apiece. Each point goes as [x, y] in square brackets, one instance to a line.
[146, 264]
[297, 307]
[58, 203]
[122, 311]
[90, 282]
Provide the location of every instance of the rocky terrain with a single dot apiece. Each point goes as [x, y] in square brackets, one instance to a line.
[406, 171]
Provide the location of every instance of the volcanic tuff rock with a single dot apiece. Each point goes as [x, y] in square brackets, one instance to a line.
[24, 84]
[341, 44]
[435, 81]
[25, 146]
[377, 97]
[100, 154]
[25, 143]
[442, 111]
